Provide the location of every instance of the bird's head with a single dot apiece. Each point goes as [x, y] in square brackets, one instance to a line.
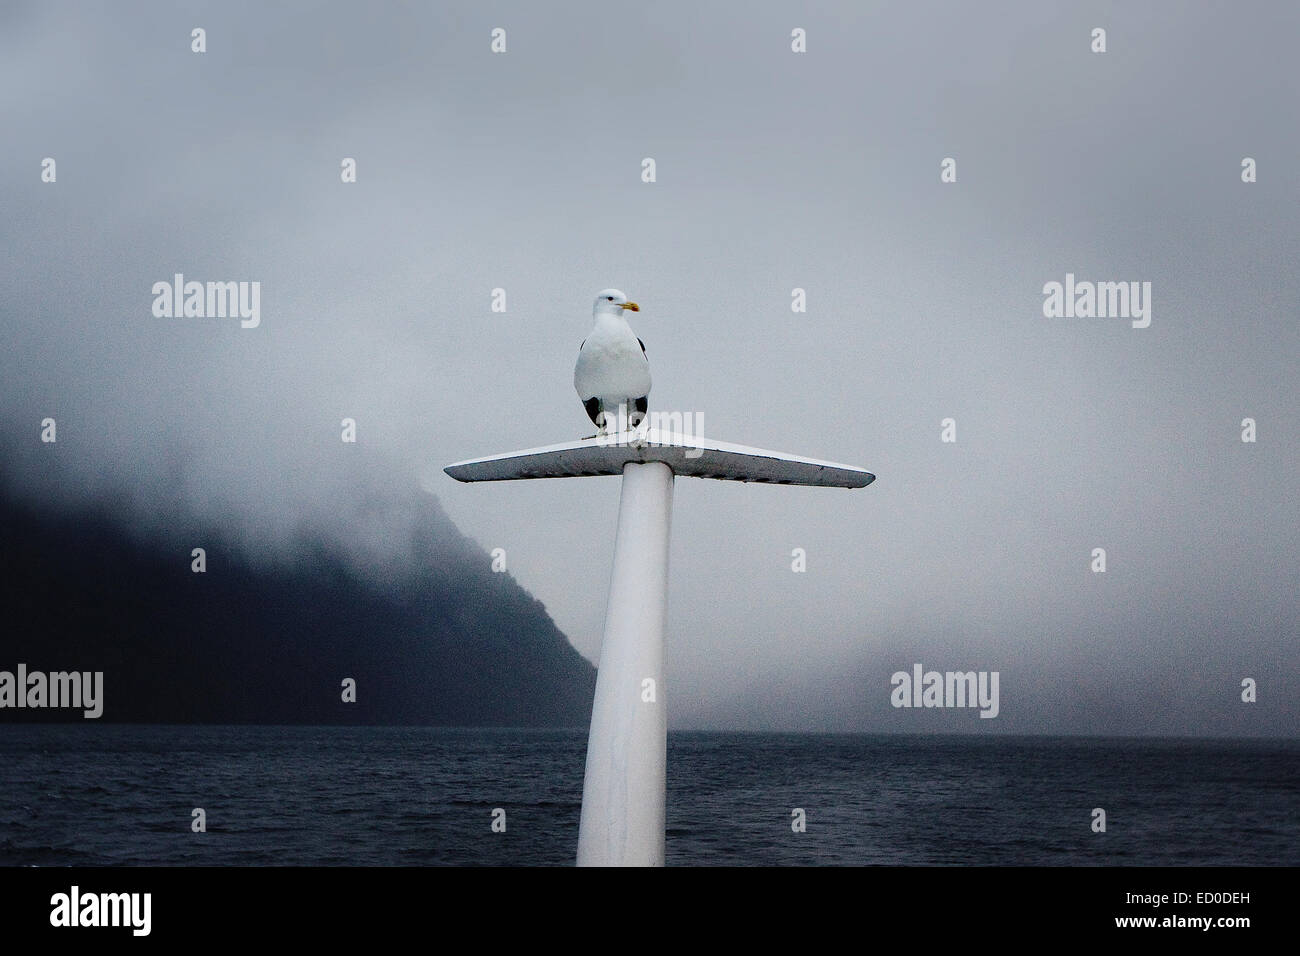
[613, 302]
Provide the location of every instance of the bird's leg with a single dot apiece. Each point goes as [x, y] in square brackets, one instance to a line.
[639, 433]
[601, 421]
[638, 423]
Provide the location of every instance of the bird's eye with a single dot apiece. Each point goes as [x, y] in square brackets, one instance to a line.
[610, 298]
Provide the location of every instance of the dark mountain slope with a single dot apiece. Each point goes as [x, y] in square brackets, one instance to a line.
[443, 641]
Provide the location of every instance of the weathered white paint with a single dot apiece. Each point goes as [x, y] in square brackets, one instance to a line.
[623, 791]
[687, 456]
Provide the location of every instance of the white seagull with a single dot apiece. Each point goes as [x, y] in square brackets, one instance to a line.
[612, 367]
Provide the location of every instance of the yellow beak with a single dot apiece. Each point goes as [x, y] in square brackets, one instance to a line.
[631, 306]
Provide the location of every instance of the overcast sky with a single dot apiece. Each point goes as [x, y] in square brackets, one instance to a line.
[775, 170]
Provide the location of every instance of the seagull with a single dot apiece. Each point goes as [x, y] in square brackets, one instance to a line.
[612, 367]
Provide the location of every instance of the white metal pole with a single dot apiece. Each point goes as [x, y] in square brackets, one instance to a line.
[627, 749]
[623, 791]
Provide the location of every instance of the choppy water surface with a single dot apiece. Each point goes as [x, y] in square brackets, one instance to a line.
[77, 794]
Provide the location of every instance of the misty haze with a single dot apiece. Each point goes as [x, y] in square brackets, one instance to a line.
[924, 302]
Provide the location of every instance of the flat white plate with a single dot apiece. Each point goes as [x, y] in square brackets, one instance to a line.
[687, 455]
